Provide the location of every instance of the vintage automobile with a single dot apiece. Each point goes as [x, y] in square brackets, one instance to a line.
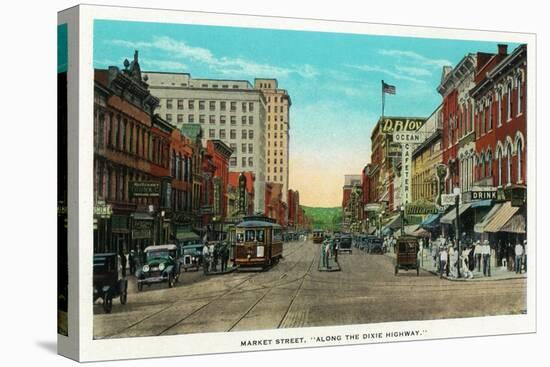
[161, 265]
[191, 256]
[374, 245]
[108, 280]
[344, 242]
[406, 254]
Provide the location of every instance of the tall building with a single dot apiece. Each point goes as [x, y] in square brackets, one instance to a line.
[277, 132]
[232, 111]
[352, 203]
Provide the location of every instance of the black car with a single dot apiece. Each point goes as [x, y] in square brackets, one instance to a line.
[108, 280]
[374, 245]
[344, 243]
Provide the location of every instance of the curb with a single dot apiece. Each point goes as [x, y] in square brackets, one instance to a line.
[222, 273]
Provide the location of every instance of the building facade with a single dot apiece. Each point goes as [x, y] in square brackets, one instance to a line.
[278, 104]
[232, 111]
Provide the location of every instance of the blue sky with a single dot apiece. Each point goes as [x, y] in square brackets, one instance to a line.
[334, 80]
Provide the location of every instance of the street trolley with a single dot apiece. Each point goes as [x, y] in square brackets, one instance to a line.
[259, 242]
[406, 254]
[318, 236]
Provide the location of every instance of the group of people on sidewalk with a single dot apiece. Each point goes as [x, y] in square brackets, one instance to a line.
[474, 257]
[212, 253]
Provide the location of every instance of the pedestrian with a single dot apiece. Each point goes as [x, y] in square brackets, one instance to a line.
[132, 261]
[477, 255]
[336, 246]
[510, 253]
[325, 253]
[454, 261]
[466, 272]
[442, 260]
[206, 256]
[434, 254]
[519, 257]
[486, 255]
[471, 260]
[224, 256]
[122, 262]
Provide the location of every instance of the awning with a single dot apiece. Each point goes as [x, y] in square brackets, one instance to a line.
[142, 216]
[516, 224]
[409, 230]
[421, 232]
[450, 217]
[480, 227]
[394, 223]
[481, 203]
[187, 235]
[504, 214]
[431, 221]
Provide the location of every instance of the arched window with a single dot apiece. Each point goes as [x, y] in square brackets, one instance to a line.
[509, 164]
[499, 159]
[519, 148]
[509, 102]
[489, 164]
[499, 107]
[490, 119]
[519, 95]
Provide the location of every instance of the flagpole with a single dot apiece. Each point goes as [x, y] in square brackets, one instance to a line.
[383, 99]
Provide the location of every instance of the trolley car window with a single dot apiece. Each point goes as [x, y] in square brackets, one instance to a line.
[277, 235]
[250, 235]
[240, 237]
[260, 235]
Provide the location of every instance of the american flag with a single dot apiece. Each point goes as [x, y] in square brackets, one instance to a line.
[386, 88]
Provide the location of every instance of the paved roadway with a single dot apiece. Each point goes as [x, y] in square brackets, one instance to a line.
[294, 294]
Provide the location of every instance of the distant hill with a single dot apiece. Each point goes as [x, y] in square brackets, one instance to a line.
[324, 218]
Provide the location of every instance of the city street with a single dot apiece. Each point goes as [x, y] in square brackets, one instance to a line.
[295, 294]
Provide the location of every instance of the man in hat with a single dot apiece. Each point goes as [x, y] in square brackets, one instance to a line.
[486, 254]
[442, 260]
[477, 255]
[519, 257]
[525, 255]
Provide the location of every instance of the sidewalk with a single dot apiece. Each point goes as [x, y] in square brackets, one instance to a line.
[497, 273]
[230, 269]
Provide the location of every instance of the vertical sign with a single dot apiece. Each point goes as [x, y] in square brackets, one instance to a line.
[406, 159]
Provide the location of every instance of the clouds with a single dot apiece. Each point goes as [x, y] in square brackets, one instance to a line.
[176, 52]
[414, 57]
[382, 70]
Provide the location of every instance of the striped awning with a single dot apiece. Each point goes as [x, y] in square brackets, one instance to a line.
[480, 227]
[516, 224]
[450, 217]
[504, 214]
[431, 221]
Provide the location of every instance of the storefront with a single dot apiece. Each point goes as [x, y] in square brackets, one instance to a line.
[120, 233]
[142, 232]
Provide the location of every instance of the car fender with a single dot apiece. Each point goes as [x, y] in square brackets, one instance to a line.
[170, 269]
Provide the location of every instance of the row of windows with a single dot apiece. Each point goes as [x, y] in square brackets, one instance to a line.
[274, 178]
[211, 119]
[275, 152]
[245, 134]
[180, 167]
[276, 135]
[275, 126]
[113, 183]
[123, 134]
[277, 109]
[275, 118]
[275, 169]
[275, 143]
[244, 160]
[181, 200]
[275, 160]
[212, 105]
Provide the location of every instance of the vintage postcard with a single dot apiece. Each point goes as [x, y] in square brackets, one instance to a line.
[240, 183]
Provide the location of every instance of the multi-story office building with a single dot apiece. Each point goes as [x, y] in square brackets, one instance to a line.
[232, 111]
[277, 132]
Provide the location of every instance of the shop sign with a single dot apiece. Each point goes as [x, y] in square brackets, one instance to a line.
[102, 210]
[407, 137]
[373, 207]
[142, 229]
[421, 209]
[448, 199]
[144, 188]
[393, 150]
[401, 124]
[119, 223]
[483, 195]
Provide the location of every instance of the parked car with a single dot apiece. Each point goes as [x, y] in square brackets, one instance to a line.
[191, 256]
[108, 280]
[161, 265]
[374, 245]
[344, 243]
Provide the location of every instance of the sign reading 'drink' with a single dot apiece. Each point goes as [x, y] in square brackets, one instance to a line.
[407, 137]
[401, 124]
[484, 195]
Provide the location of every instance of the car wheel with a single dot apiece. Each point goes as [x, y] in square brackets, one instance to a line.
[396, 269]
[107, 303]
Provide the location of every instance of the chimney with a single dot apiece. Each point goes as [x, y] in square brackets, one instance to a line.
[502, 49]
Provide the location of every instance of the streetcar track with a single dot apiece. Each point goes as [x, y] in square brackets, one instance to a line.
[229, 292]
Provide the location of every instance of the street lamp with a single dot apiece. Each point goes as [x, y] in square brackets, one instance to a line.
[380, 225]
[456, 192]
